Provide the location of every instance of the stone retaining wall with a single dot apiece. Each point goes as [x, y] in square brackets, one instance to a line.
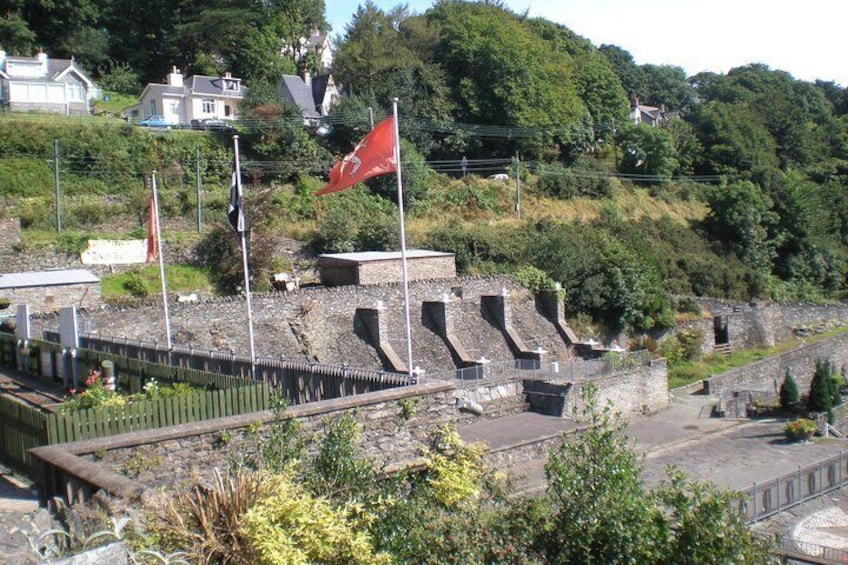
[767, 375]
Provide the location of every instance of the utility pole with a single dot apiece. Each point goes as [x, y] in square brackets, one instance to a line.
[56, 185]
[197, 187]
[517, 186]
[371, 116]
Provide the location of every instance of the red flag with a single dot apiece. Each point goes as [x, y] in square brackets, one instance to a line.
[373, 156]
[151, 233]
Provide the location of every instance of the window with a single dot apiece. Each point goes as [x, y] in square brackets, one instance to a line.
[227, 110]
[208, 106]
[152, 107]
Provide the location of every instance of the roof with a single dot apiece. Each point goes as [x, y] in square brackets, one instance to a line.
[166, 89]
[47, 278]
[294, 91]
[201, 84]
[371, 256]
[319, 87]
[55, 68]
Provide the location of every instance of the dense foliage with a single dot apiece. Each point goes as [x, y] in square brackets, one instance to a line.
[325, 503]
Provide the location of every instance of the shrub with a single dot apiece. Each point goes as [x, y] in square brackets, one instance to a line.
[534, 279]
[799, 429]
[136, 285]
[821, 389]
[788, 392]
[690, 341]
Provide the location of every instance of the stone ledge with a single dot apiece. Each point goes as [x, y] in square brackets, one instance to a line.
[67, 457]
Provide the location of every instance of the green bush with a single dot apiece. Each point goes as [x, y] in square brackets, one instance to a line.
[788, 392]
[821, 389]
[534, 279]
[136, 285]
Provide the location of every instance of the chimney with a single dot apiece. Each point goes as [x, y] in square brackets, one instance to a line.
[175, 77]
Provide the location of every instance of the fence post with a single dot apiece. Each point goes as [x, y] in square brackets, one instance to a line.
[754, 498]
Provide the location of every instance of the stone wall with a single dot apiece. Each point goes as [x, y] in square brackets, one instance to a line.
[10, 237]
[395, 424]
[322, 324]
[767, 375]
[641, 391]
[764, 324]
[188, 452]
[53, 298]
[376, 272]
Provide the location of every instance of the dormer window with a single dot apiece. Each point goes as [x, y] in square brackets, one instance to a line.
[231, 85]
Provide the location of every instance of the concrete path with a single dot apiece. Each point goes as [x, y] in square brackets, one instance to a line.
[19, 511]
[730, 453]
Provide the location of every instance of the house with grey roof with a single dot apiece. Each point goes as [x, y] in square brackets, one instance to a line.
[199, 97]
[313, 97]
[41, 84]
[650, 115]
[49, 291]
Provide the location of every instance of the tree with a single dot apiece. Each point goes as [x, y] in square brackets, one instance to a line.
[703, 528]
[666, 85]
[740, 216]
[498, 68]
[788, 392]
[371, 47]
[821, 388]
[600, 511]
[647, 151]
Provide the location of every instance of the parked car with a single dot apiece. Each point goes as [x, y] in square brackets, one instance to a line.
[154, 122]
[210, 124]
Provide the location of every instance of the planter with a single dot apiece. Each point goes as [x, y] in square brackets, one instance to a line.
[800, 430]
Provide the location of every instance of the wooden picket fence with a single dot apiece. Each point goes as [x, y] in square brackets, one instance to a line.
[24, 426]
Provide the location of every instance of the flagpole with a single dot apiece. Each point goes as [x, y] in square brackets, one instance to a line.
[237, 173]
[161, 264]
[410, 366]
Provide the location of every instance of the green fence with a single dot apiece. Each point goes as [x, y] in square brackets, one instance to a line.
[65, 427]
[24, 426]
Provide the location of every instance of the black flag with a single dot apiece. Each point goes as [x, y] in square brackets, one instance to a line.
[235, 211]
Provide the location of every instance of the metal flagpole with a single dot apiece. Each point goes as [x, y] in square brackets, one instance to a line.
[161, 264]
[237, 173]
[410, 367]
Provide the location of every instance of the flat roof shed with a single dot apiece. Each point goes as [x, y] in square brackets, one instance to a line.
[47, 291]
[374, 267]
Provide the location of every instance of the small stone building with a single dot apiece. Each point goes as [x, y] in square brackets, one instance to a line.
[373, 267]
[48, 291]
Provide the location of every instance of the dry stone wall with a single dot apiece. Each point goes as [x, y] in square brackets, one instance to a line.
[767, 375]
[322, 324]
[388, 435]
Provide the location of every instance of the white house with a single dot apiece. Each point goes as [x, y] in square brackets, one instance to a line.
[651, 115]
[318, 44]
[45, 85]
[312, 96]
[198, 97]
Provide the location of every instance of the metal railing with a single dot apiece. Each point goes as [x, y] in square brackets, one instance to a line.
[767, 498]
[301, 381]
[580, 370]
[795, 550]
